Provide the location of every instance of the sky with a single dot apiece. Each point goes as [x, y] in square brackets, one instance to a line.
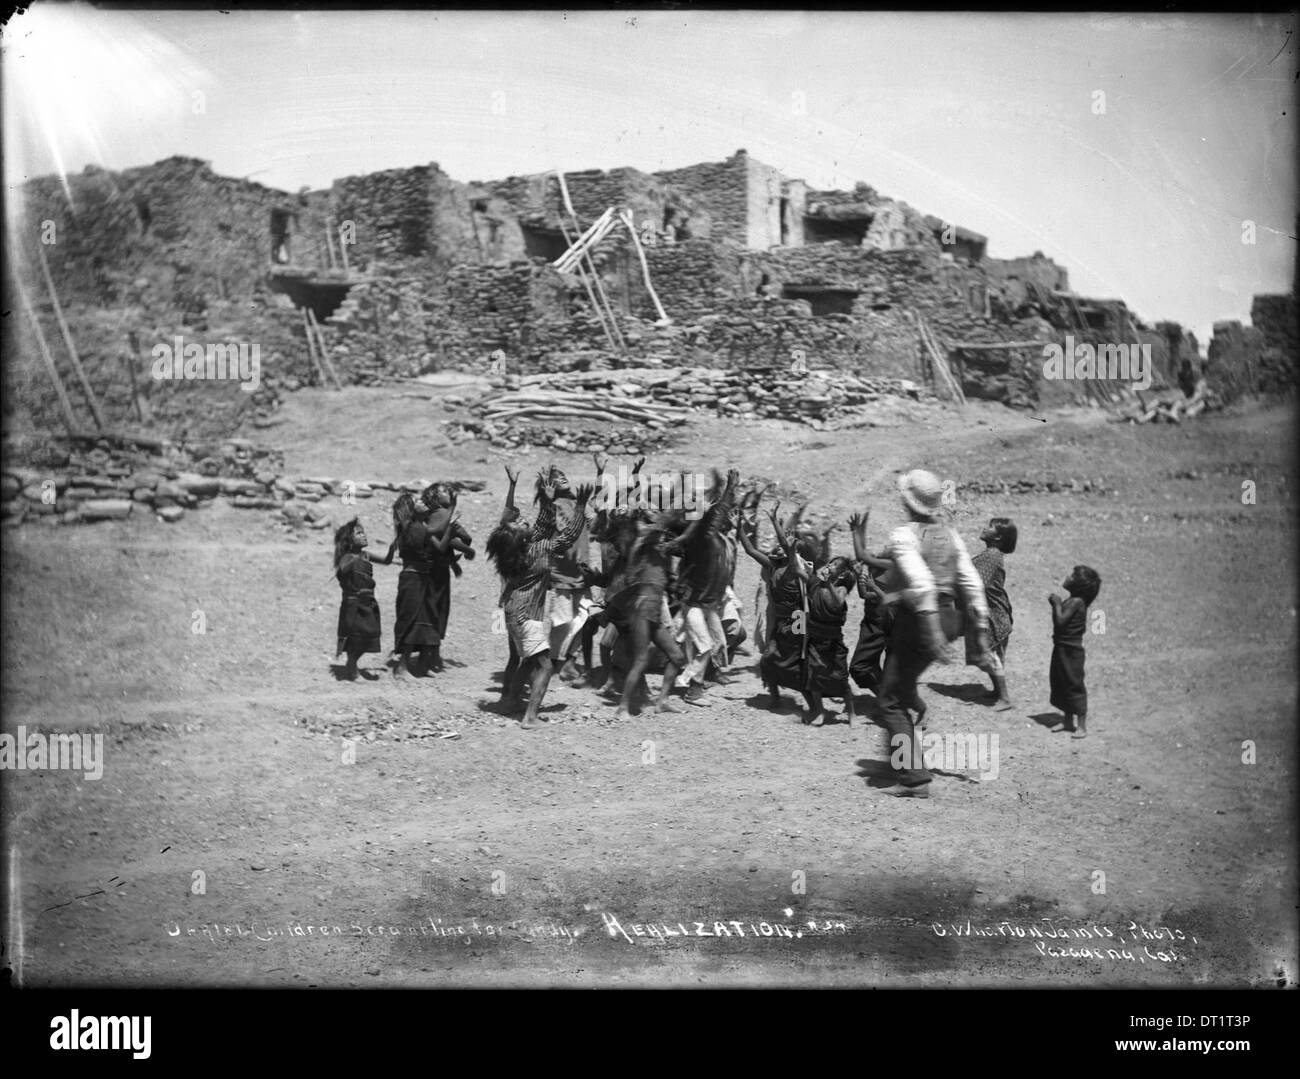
[1139, 151]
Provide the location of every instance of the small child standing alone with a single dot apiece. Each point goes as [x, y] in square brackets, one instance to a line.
[1069, 623]
[358, 631]
[999, 539]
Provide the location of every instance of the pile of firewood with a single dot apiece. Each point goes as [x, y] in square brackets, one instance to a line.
[580, 404]
[1170, 406]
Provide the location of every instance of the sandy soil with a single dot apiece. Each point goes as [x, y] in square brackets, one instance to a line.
[232, 823]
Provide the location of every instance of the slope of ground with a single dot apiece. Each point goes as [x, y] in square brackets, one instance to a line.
[233, 821]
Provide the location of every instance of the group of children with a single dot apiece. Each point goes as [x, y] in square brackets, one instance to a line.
[653, 581]
[431, 542]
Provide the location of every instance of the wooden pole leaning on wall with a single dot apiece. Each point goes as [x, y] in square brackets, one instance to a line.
[324, 349]
[941, 361]
[591, 295]
[311, 345]
[65, 404]
[645, 267]
[604, 299]
[617, 336]
[91, 400]
[329, 240]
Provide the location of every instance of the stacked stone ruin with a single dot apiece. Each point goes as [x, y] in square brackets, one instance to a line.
[113, 480]
[409, 271]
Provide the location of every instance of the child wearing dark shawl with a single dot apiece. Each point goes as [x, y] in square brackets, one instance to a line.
[358, 629]
[440, 501]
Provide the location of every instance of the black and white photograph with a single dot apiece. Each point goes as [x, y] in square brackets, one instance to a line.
[649, 498]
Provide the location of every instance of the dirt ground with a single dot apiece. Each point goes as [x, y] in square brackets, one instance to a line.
[260, 823]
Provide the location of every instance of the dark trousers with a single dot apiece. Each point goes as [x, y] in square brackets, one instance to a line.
[905, 662]
[873, 639]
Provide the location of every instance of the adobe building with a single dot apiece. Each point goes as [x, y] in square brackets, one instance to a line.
[409, 270]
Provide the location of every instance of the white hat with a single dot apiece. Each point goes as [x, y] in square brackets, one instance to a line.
[922, 493]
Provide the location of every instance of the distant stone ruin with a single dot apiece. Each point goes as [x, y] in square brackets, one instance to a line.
[393, 274]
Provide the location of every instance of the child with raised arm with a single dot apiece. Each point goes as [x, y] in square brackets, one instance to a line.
[999, 539]
[358, 630]
[1069, 623]
[867, 664]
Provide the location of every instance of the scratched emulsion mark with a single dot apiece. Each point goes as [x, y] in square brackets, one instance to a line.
[14, 931]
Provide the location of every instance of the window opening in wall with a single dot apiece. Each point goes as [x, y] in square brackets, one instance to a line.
[413, 236]
[548, 244]
[142, 212]
[785, 222]
[280, 236]
[823, 301]
[821, 230]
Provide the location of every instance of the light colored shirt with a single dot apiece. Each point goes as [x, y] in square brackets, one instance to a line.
[929, 559]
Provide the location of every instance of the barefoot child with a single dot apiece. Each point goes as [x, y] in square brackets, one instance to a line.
[1069, 622]
[999, 539]
[359, 611]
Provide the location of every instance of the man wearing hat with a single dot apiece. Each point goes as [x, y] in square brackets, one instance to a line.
[932, 569]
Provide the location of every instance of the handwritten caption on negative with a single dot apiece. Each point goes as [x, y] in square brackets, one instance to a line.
[731, 928]
[463, 932]
[1133, 943]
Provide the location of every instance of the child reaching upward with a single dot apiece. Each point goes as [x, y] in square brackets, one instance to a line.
[1069, 622]
[999, 539]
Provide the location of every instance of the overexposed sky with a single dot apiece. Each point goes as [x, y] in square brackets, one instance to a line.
[992, 121]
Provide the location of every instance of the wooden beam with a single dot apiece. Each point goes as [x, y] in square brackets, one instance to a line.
[311, 345]
[67, 340]
[645, 267]
[591, 295]
[69, 416]
[324, 348]
[974, 346]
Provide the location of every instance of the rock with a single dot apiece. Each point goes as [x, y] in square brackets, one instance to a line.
[13, 508]
[239, 487]
[167, 490]
[284, 486]
[9, 487]
[171, 514]
[105, 509]
[142, 494]
[253, 502]
[202, 486]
